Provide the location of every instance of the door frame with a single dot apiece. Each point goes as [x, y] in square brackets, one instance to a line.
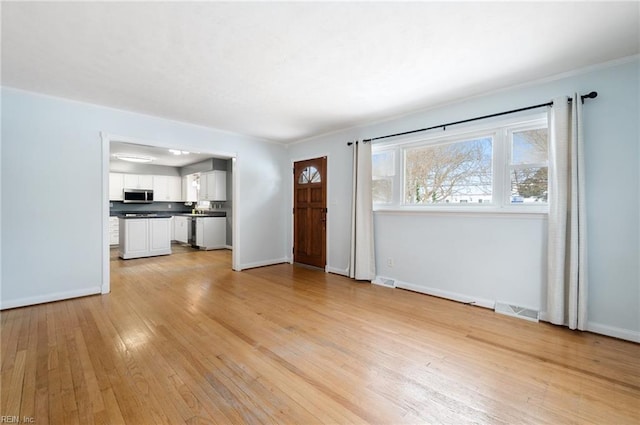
[107, 138]
[292, 206]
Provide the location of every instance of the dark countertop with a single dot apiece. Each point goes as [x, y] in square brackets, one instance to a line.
[210, 214]
[138, 216]
[165, 214]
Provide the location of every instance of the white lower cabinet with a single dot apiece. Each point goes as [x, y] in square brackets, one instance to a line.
[211, 232]
[181, 228]
[144, 237]
[160, 236]
[113, 231]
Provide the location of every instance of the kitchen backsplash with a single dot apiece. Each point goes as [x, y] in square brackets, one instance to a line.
[121, 207]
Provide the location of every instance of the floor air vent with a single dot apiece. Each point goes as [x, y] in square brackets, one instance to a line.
[516, 311]
[385, 282]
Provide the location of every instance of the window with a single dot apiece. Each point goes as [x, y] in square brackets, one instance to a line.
[491, 167]
[528, 165]
[309, 175]
[383, 170]
[456, 172]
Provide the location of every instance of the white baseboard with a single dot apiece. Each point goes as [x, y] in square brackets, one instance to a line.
[263, 263]
[335, 270]
[626, 334]
[598, 328]
[57, 296]
[229, 247]
[480, 302]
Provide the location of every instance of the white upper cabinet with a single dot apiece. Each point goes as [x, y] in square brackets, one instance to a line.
[175, 188]
[116, 184]
[189, 190]
[167, 189]
[138, 181]
[213, 186]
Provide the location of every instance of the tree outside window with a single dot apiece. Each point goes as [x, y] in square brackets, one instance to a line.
[529, 166]
[458, 173]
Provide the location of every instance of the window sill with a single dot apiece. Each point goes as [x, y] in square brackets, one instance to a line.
[477, 211]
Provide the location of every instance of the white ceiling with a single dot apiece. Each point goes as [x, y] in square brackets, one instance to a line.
[159, 156]
[288, 71]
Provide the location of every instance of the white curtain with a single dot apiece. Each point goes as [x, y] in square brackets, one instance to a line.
[567, 271]
[362, 263]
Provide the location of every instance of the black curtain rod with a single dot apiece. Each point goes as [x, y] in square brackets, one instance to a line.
[591, 95]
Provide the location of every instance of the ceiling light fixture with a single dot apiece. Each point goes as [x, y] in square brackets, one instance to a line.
[133, 158]
[178, 152]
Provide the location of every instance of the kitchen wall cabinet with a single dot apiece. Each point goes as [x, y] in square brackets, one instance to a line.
[144, 237]
[182, 228]
[211, 232]
[138, 181]
[189, 190]
[116, 184]
[167, 188]
[213, 186]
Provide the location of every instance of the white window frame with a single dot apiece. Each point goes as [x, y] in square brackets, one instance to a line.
[501, 131]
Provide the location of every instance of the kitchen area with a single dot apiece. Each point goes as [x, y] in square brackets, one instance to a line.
[163, 200]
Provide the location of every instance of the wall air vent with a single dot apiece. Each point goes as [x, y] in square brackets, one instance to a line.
[516, 311]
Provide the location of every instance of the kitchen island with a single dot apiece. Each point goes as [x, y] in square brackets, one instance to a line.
[144, 235]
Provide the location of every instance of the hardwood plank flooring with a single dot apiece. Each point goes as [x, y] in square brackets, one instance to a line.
[184, 339]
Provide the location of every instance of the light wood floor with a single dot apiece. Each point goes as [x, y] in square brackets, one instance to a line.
[183, 339]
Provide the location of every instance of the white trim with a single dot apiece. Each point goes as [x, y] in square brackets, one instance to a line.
[235, 225]
[105, 286]
[229, 247]
[465, 212]
[56, 296]
[480, 302]
[262, 263]
[615, 332]
[598, 328]
[335, 270]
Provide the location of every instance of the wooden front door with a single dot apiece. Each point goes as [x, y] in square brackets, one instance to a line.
[310, 212]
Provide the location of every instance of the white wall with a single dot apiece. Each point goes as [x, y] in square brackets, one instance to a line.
[52, 201]
[503, 257]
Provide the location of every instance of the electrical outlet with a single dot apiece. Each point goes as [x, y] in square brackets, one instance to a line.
[390, 262]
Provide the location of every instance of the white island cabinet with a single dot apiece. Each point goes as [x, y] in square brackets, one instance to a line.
[144, 237]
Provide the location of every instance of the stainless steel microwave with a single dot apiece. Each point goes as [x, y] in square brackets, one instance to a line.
[140, 196]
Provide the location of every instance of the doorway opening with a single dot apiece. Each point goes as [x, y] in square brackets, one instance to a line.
[169, 168]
